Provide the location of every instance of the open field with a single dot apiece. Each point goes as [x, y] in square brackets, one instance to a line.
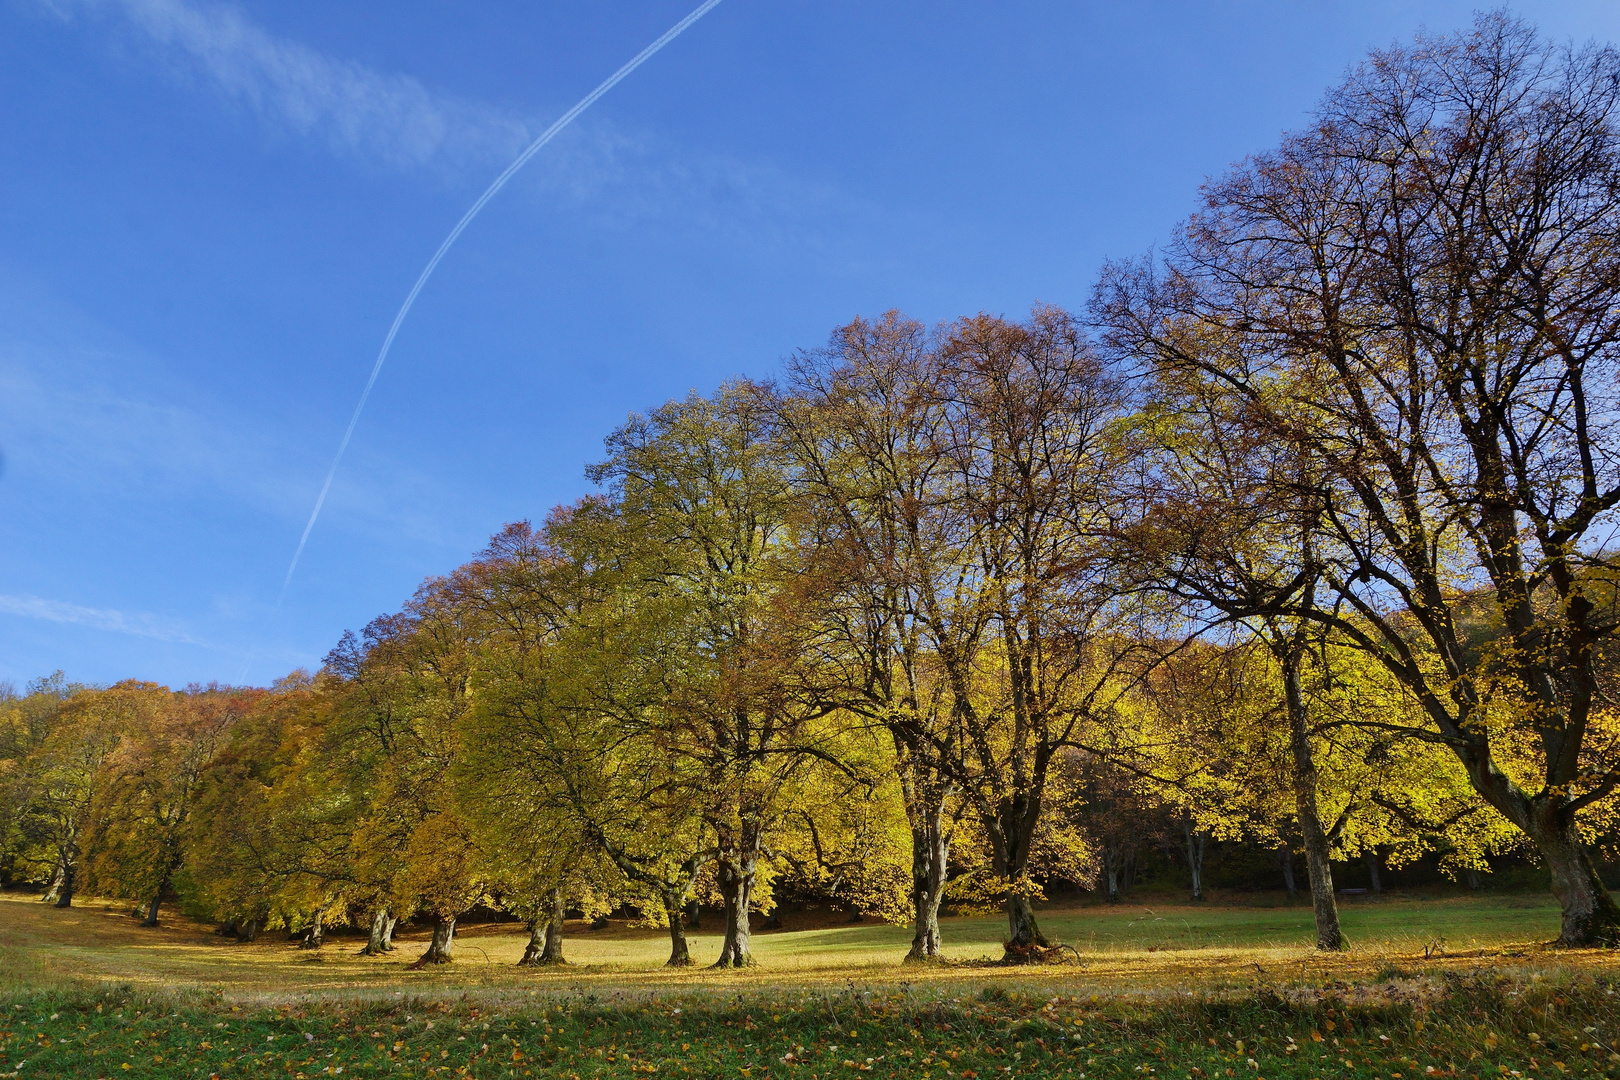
[1123, 948]
[1205, 993]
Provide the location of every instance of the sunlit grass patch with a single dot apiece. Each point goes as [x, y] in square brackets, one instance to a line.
[1130, 948]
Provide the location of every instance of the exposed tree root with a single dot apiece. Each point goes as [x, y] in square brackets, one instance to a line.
[429, 957]
[1014, 953]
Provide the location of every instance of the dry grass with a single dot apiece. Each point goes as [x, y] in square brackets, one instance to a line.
[1130, 950]
[1208, 993]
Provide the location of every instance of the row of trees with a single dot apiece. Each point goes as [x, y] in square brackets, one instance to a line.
[1302, 532]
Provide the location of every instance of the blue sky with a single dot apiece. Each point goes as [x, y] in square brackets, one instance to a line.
[210, 212]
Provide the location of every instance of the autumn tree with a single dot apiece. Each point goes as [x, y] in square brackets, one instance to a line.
[864, 429]
[26, 721]
[1232, 536]
[702, 507]
[1419, 295]
[143, 811]
[257, 828]
[546, 769]
[962, 485]
[407, 685]
[66, 773]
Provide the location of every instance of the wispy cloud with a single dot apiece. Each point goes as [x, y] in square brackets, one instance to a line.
[379, 116]
[598, 171]
[136, 624]
[69, 430]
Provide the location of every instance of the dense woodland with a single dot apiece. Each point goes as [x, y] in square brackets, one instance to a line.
[1296, 541]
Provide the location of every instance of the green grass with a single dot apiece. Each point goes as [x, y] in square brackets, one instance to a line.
[1124, 948]
[1460, 922]
[1404, 1027]
[1161, 992]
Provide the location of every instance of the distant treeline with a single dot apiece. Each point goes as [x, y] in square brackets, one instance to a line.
[1299, 539]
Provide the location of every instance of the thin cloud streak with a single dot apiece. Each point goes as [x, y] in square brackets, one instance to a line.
[68, 430]
[138, 624]
[618, 179]
[466, 219]
[381, 117]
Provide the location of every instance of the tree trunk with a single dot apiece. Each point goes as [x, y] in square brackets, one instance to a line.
[1024, 934]
[64, 898]
[59, 882]
[1285, 857]
[1375, 880]
[1197, 841]
[249, 930]
[930, 851]
[315, 936]
[444, 941]
[377, 941]
[1111, 873]
[170, 865]
[535, 950]
[736, 879]
[1329, 937]
[1590, 915]
[553, 952]
[675, 910]
[1472, 879]
[1011, 832]
[546, 934]
[60, 894]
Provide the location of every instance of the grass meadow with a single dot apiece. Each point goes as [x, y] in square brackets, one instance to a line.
[1432, 989]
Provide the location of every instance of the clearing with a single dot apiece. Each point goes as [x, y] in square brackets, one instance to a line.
[1209, 992]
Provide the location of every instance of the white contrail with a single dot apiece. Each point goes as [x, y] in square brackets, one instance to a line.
[500, 181]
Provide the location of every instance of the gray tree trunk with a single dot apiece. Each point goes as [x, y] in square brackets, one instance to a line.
[1590, 916]
[1329, 937]
[1025, 933]
[170, 865]
[1197, 843]
[377, 940]
[675, 911]
[1286, 858]
[1011, 831]
[1374, 876]
[249, 930]
[930, 852]
[60, 882]
[443, 943]
[546, 934]
[1111, 873]
[315, 936]
[735, 874]
[535, 950]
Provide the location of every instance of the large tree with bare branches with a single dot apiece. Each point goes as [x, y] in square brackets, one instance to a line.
[1420, 296]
